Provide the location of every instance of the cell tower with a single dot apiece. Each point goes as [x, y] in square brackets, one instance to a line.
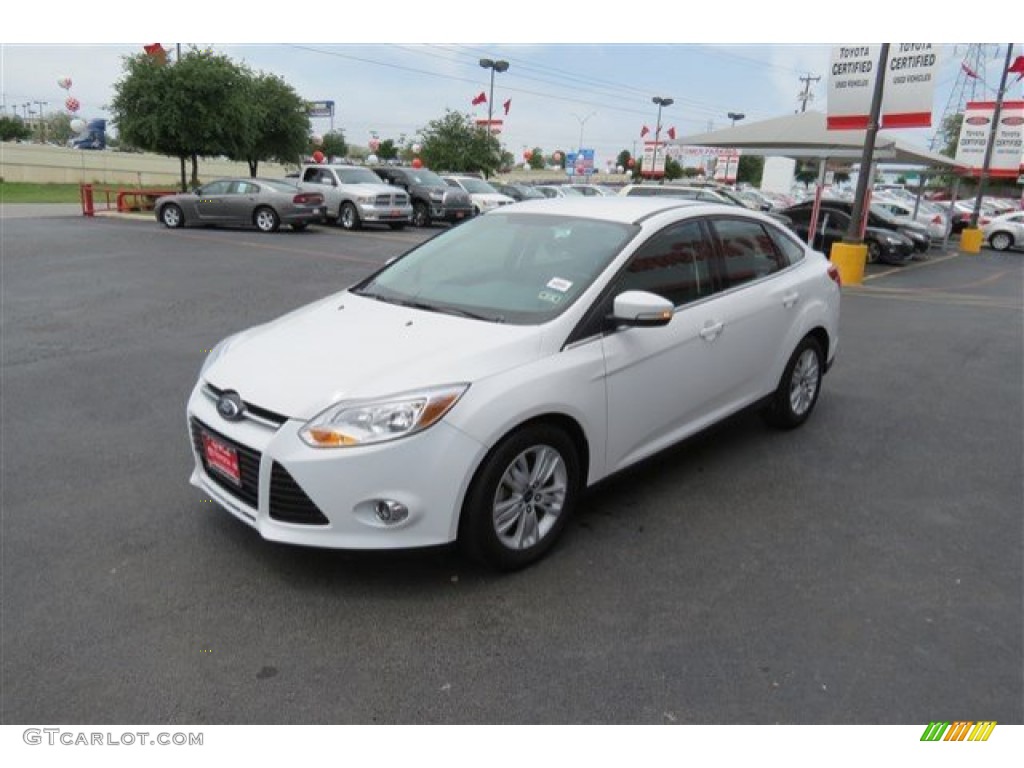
[970, 86]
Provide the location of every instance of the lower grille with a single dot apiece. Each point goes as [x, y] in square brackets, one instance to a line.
[248, 465]
[289, 503]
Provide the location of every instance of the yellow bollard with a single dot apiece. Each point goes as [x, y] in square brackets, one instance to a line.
[971, 240]
[849, 259]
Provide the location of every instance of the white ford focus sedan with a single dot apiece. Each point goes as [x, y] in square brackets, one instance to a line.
[472, 389]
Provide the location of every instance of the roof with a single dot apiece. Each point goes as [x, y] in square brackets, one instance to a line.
[805, 135]
[626, 210]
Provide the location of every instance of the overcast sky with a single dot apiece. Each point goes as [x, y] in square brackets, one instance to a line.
[559, 85]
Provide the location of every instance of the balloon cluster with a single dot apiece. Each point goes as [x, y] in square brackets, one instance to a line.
[70, 103]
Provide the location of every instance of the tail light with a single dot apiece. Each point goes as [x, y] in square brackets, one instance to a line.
[937, 219]
[304, 198]
[833, 272]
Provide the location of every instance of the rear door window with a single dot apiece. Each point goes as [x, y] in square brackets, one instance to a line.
[747, 251]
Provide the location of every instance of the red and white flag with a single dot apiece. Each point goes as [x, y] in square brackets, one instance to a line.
[507, 105]
[644, 131]
[480, 99]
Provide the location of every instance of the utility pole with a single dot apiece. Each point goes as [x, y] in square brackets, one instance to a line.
[42, 123]
[807, 95]
[987, 163]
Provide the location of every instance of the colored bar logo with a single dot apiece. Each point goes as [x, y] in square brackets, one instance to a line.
[961, 730]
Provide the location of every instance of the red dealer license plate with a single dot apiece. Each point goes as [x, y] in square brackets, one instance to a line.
[222, 458]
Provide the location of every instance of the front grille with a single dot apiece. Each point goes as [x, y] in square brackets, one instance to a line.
[289, 503]
[385, 201]
[261, 414]
[248, 465]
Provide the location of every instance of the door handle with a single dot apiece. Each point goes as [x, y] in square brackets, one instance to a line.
[711, 330]
[790, 299]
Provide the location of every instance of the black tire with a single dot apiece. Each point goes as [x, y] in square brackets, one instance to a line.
[1001, 241]
[874, 252]
[348, 217]
[397, 227]
[300, 226]
[266, 219]
[798, 391]
[420, 215]
[172, 217]
[533, 475]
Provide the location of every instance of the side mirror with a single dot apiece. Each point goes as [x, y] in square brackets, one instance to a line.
[640, 309]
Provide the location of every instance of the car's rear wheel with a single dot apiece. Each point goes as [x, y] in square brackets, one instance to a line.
[1001, 241]
[521, 497]
[349, 217]
[266, 219]
[172, 217]
[798, 390]
[420, 215]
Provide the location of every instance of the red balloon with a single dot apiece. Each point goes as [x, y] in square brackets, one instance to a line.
[72, 104]
[318, 156]
[631, 162]
[417, 163]
[527, 154]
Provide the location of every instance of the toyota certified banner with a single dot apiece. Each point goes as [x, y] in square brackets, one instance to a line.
[1008, 151]
[907, 94]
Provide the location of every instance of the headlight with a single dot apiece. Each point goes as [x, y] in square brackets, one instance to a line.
[377, 421]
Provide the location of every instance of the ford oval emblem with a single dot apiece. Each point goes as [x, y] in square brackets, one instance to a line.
[977, 120]
[230, 406]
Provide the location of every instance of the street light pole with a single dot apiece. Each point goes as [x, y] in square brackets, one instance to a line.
[494, 66]
[735, 116]
[661, 102]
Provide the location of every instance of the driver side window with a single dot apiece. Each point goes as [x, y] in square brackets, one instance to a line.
[674, 264]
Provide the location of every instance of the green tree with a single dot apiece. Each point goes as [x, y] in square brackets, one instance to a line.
[58, 128]
[750, 170]
[455, 143]
[951, 126]
[673, 170]
[387, 150]
[536, 160]
[623, 159]
[334, 144]
[13, 129]
[197, 107]
[277, 126]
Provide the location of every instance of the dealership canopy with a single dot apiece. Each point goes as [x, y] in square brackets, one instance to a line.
[805, 135]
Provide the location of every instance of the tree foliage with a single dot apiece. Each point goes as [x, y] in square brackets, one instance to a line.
[334, 144]
[951, 126]
[13, 129]
[751, 168]
[387, 150]
[536, 160]
[455, 143]
[206, 105]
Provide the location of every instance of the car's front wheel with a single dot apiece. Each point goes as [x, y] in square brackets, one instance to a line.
[1001, 241]
[349, 217]
[420, 215]
[172, 216]
[521, 497]
[266, 219]
[798, 390]
[874, 252]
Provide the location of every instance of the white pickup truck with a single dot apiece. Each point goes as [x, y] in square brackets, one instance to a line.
[356, 195]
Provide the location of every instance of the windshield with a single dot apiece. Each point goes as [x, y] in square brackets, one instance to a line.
[358, 176]
[427, 179]
[476, 186]
[503, 267]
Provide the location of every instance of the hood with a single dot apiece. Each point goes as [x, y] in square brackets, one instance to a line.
[493, 197]
[365, 188]
[349, 347]
[453, 196]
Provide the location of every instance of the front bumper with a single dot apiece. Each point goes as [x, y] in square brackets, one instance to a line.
[385, 214]
[428, 473]
[442, 213]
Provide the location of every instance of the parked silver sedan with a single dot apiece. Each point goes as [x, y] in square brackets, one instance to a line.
[263, 203]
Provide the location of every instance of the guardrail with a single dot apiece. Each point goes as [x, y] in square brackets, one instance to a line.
[120, 199]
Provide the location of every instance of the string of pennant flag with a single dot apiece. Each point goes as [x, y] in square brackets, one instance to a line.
[671, 132]
[481, 98]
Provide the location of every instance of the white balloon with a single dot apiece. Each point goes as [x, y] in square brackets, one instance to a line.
[416, 148]
[77, 125]
[371, 159]
[317, 139]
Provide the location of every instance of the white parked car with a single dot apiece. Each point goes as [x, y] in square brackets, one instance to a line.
[927, 214]
[485, 197]
[472, 389]
[1006, 231]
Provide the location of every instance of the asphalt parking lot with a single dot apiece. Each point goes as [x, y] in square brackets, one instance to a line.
[866, 568]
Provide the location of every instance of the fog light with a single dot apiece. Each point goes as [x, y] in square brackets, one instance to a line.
[390, 512]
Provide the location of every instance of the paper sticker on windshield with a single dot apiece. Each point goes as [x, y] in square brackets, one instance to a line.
[559, 284]
[554, 298]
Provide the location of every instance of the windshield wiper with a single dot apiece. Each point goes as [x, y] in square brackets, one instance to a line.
[447, 310]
